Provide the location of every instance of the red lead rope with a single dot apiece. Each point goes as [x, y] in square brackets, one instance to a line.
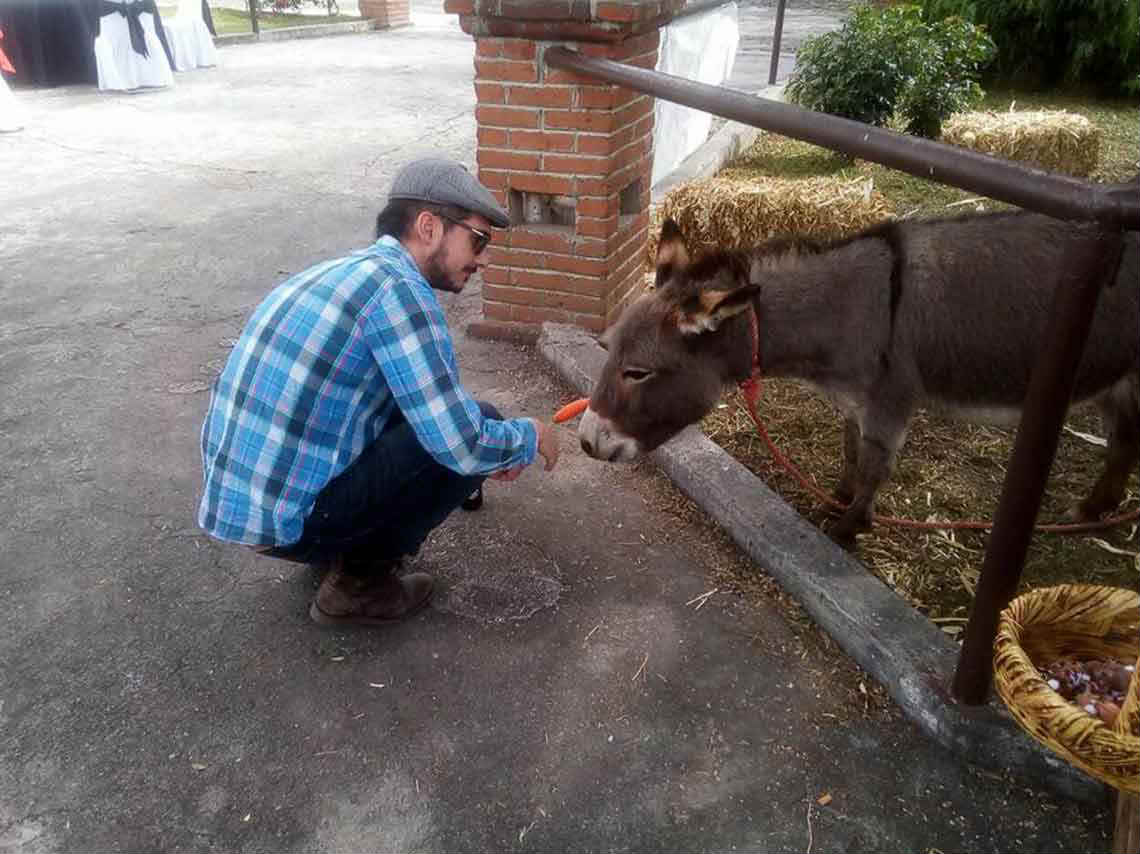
[751, 389]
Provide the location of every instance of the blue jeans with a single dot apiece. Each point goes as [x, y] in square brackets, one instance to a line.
[384, 505]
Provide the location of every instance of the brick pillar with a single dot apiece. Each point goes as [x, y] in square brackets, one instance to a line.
[387, 13]
[569, 156]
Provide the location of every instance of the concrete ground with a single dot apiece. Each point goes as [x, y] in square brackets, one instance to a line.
[571, 688]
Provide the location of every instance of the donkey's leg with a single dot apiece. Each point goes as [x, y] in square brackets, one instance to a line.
[882, 434]
[845, 490]
[1120, 408]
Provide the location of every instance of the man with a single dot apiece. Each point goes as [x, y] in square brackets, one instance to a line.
[338, 432]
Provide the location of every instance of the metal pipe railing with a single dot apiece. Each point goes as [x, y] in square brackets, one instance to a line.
[1112, 205]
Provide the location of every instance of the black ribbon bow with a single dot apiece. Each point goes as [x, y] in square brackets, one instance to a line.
[130, 11]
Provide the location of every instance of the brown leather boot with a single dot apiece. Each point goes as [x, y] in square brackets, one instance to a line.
[350, 600]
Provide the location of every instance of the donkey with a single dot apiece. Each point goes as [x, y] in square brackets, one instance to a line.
[947, 314]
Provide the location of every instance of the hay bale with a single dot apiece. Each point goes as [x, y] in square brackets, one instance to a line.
[739, 209]
[1056, 140]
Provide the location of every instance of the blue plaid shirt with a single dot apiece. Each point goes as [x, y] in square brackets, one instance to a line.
[320, 368]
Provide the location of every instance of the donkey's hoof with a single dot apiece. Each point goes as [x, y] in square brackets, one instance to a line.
[843, 536]
[1089, 510]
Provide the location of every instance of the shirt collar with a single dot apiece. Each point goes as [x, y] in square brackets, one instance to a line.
[388, 244]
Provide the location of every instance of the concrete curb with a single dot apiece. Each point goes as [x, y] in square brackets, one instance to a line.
[729, 141]
[307, 31]
[900, 648]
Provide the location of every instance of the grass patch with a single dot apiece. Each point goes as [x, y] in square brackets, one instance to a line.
[947, 469]
[229, 21]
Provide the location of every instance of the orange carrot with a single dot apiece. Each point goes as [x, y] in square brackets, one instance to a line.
[571, 409]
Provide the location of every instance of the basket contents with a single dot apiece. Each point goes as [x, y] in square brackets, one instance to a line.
[1098, 685]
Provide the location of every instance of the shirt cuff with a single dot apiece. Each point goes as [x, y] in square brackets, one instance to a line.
[530, 439]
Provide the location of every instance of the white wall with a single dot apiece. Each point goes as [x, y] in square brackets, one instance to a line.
[701, 48]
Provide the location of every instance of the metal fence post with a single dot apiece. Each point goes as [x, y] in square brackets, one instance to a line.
[776, 36]
[1046, 401]
[253, 17]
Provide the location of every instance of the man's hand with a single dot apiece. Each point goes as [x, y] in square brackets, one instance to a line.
[547, 442]
[507, 475]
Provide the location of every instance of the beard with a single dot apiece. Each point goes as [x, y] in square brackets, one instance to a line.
[435, 271]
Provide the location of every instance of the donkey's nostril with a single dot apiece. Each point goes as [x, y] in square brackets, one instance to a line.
[587, 447]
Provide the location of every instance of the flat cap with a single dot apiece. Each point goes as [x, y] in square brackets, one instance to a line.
[445, 182]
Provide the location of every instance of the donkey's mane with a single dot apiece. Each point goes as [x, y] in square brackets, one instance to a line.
[776, 248]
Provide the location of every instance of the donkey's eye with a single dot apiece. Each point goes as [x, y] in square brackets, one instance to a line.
[636, 374]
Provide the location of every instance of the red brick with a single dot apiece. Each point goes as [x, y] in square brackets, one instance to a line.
[595, 98]
[521, 237]
[644, 126]
[546, 281]
[519, 49]
[492, 136]
[539, 96]
[617, 12]
[496, 274]
[632, 248]
[631, 113]
[514, 296]
[490, 93]
[459, 7]
[506, 116]
[595, 227]
[621, 50]
[557, 185]
[489, 47]
[602, 206]
[596, 122]
[572, 302]
[538, 10]
[558, 75]
[506, 69]
[493, 158]
[590, 248]
[597, 144]
[619, 179]
[493, 180]
[575, 165]
[595, 187]
[579, 266]
[631, 153]
[542, 140]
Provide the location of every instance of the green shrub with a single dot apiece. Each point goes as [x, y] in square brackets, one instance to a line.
[1094, 42]
[944, 66]
[885, 61]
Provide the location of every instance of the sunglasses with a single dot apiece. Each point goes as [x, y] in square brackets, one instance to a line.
[479, 238]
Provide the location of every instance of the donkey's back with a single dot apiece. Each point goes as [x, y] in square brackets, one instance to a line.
[974, 301]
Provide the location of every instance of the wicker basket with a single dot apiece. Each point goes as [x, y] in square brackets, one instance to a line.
[1085, 622]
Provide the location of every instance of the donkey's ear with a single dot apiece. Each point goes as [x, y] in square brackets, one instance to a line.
[671, 249]
[706, 310]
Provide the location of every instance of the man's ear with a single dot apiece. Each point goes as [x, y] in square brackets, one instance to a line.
[671, 248]
[427, 227]
[706, 310]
